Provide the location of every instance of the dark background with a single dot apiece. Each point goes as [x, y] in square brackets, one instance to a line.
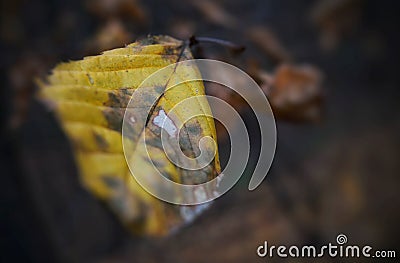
[339, 175]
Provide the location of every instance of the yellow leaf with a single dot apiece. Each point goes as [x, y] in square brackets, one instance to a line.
[90, 98]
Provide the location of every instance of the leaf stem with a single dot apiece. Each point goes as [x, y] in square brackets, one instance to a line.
[232, 46]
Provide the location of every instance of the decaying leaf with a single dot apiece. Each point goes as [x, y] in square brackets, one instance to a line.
[90, 98]
[295, 93]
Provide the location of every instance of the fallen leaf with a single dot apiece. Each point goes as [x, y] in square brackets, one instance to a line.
[295, 92]
[90, 98]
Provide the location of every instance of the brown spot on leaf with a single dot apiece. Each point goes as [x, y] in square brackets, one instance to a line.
[101, 142]
[114, 118]
[111, 181]
[119, 99]
[194, 129]
[170, 51]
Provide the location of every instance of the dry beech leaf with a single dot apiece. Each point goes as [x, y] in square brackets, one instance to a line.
[294, 92]
[90, 98]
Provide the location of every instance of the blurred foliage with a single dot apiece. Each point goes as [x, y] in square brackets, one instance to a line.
[336, 176]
